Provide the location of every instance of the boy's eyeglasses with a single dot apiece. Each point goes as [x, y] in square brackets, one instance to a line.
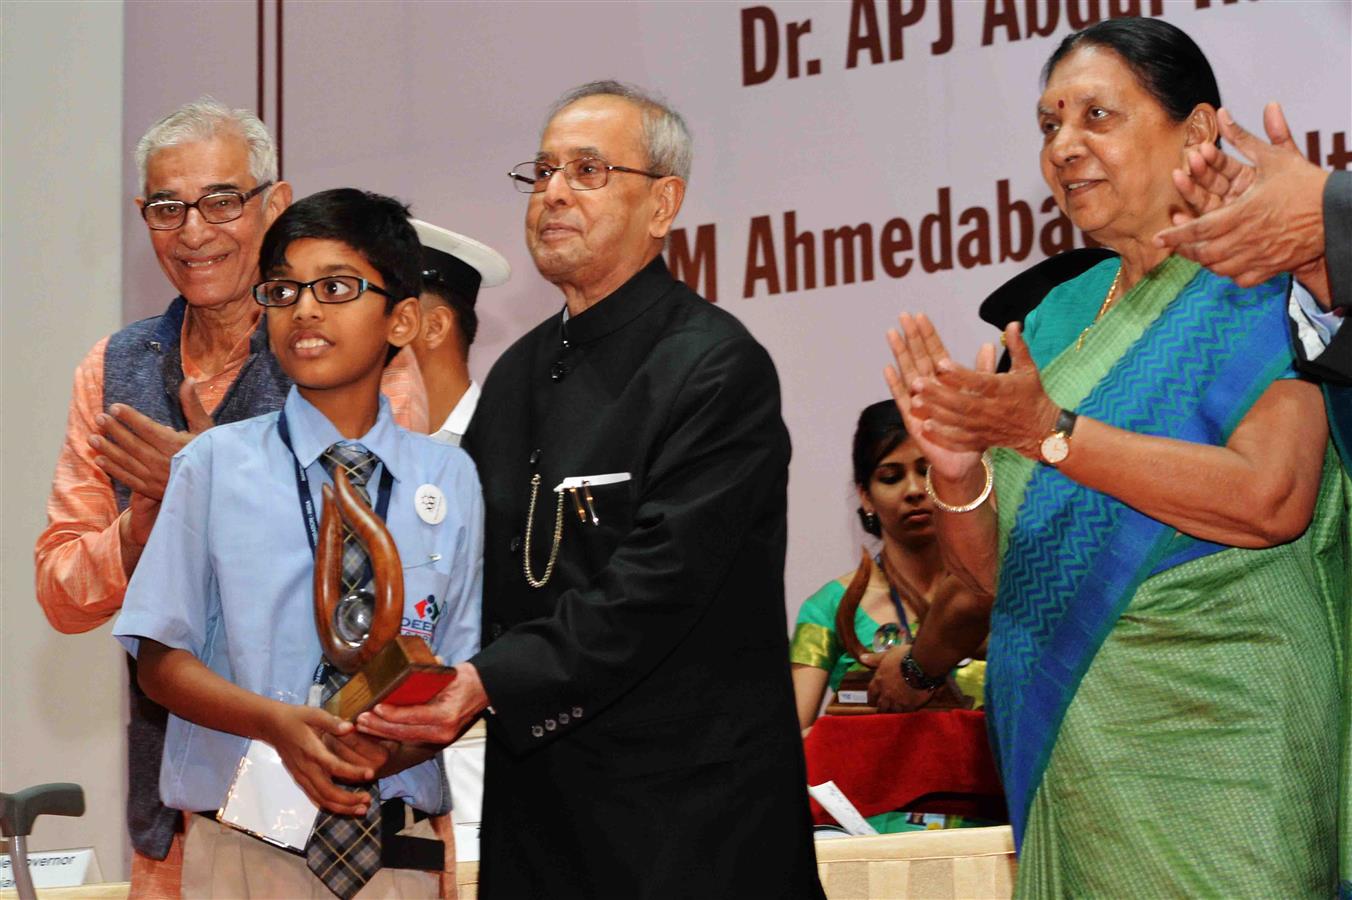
[331, 289]
[217, 208]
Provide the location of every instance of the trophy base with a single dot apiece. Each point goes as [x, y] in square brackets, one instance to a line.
[852, 695]
[403, 673]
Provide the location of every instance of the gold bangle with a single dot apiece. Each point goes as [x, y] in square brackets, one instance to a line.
[966, 507]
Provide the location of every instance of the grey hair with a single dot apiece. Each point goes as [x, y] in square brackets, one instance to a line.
[203, 119]
[666, 137]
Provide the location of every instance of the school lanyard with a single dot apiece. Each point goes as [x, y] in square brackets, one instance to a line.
[896, 600]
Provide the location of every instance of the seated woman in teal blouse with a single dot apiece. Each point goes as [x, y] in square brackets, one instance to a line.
[889, 473]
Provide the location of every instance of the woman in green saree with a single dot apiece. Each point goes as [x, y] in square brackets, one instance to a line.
[1160, 520]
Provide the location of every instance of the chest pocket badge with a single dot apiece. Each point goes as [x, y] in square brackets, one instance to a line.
[430, 504]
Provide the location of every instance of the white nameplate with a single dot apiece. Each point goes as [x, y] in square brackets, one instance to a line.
[840, 808]
[860, 697]
[55, 869]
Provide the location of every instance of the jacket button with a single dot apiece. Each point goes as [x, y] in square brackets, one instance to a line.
[535, 457]
[537, 731]
[563, 719]
[550, 724]
[577, 712]
[558, 371]
[515, 545]
[495, 630]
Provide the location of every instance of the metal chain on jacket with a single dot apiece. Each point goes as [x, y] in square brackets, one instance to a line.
[530, 527]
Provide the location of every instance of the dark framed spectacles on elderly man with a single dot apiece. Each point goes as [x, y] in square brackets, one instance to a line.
[217, 208]
[586, 173]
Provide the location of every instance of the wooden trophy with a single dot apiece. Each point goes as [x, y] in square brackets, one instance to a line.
[359, 632]
[852, 695]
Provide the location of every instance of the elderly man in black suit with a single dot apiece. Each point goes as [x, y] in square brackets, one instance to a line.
[642, 734]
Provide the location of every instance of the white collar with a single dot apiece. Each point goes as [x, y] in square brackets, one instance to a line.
[311, 433]
[458, 421]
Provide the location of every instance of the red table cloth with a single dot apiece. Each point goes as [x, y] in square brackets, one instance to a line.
[935, 762]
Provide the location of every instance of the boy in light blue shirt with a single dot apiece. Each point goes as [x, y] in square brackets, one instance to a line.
[220, 611]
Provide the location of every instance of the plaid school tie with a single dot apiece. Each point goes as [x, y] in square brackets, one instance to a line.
[344, 851]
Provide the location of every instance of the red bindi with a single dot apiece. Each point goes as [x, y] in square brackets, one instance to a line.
[1060, 104]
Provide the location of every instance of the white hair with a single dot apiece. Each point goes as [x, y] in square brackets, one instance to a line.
[202, 120]
[666, 137]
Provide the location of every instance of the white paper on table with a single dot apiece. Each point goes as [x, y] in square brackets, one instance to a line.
[841, 809]
[467, 843]
[265, 801]
[465, 772]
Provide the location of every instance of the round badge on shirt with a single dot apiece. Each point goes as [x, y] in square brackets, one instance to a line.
[430, 503]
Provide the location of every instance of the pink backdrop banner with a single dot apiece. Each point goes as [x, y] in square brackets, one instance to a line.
[852, 159]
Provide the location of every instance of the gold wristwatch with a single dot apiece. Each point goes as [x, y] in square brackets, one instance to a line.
[1055, 447]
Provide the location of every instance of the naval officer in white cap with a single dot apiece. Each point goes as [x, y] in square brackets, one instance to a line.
[454, 268]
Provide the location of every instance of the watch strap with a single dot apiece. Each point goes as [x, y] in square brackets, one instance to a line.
[915, 676]
[1065, 422]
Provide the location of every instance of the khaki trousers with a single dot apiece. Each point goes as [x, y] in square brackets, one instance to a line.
[223, 862]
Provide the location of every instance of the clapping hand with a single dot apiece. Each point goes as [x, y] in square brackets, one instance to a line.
[1251, 221]
[972, 410]
[919, 353]
[957, 413]
[135, 449]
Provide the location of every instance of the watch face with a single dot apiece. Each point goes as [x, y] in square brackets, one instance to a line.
[1055, 448]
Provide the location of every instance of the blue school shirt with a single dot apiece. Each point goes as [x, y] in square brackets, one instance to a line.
[227, 575]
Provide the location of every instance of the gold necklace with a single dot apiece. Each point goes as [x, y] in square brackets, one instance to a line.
[1103, 308]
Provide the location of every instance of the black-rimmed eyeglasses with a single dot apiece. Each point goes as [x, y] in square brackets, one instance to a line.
[587, 173]
[332, 289]
[218, 207]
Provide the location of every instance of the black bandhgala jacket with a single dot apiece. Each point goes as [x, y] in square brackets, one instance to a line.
[643, 740]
